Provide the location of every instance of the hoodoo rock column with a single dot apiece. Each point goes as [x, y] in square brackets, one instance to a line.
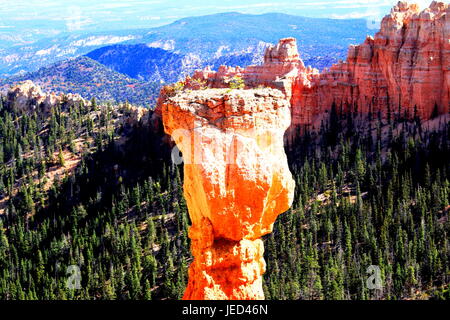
[236, 182]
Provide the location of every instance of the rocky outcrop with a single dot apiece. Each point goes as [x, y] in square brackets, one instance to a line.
[403, 70]
[236, 175]
[28, 97]
[236, 183]
[25, 96]
[135, 115]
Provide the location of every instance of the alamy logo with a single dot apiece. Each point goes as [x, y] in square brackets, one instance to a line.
[73, 20]
[74, 280]
[374, 280]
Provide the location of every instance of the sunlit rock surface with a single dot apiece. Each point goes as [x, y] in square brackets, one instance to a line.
[236, 183]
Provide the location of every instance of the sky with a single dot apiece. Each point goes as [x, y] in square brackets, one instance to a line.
[28, 20]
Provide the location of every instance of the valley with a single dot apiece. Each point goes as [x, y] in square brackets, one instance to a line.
[353, 155]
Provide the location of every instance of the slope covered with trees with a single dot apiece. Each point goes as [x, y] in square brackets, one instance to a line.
[90, 79]
[365, 195]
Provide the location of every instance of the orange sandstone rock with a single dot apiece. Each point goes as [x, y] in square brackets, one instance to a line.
[404, 70]
[236, 182]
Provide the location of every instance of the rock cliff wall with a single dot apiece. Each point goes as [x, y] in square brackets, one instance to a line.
[403, 70]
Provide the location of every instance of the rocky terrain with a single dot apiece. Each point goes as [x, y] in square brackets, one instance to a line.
[403, 71]
[98, 186]
[230, 124]
[28, 97]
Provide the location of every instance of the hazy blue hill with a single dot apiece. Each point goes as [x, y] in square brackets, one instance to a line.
[90, 79]
[234, 27]
[238, 32]
[142, 62]
[157, 65]
[321, 41]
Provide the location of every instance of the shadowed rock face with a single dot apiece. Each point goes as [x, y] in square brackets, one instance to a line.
[236, 183]
[404, 70]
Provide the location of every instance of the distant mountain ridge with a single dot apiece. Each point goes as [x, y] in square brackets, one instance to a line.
[132, 64]
[220, 36]
[146, 63]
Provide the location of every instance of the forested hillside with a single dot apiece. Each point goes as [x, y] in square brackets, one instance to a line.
[90, 79]
[367, 193]
[118, 213]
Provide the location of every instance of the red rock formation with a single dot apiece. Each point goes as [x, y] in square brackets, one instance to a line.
[236, 183]
[405, 69]
[405, 66]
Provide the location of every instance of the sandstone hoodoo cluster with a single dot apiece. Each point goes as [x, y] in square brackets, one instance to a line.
[28, 97]
[404, 70]
[236, 182]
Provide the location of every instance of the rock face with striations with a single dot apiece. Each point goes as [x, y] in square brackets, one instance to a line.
[236, 182]
[403, 70]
